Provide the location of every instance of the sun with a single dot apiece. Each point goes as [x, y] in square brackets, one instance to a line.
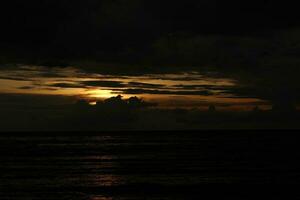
[99, 93]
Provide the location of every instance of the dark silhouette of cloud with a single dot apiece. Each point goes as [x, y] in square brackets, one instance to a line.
[119, 84]
[145, 91]
[58, 29]
[13, 78]
[49, 74]
[67, 85]
[207, 87]
[144, 85]
[109, 84]
[56, 113]
[26, 88]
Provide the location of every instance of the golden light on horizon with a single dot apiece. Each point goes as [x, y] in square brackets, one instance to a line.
[99, 93]
[181, 90]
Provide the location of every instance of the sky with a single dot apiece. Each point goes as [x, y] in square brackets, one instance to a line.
[58, 23]
[106, 30]
[177, 90]
[236, 55]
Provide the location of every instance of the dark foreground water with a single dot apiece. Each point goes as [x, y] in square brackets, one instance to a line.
[137, 165]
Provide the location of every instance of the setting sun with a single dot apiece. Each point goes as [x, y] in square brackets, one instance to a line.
[99, 93]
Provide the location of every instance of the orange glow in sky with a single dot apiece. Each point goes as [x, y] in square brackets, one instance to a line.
[188, 89]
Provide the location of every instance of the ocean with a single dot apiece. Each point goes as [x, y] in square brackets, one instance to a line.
[143, 165]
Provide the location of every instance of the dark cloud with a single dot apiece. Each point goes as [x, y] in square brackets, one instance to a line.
[207, 87]
[108, 84]
[282, 96]
[145, 91]
[49, 74]
[49, 88]
[59, 29]
[144, 85]
[52, 113]
[26, 88]
[14, 78]
[28, 101]
[67, 85]
[119, 84]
